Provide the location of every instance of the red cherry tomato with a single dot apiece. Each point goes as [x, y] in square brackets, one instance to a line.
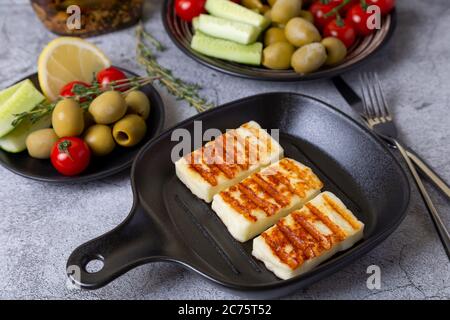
[341, 30]
[189, 9]
[236, 1]
[108, 75]
[67, 90]
[357, 17]
[386, 6]
[70, 156]
[319, 10]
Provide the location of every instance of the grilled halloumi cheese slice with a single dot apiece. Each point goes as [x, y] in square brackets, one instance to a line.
[227, 160]
[256, 203]
[307, 237]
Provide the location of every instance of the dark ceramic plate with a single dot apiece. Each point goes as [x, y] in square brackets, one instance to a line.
[118, 160]
[181, 34]
[168, 223]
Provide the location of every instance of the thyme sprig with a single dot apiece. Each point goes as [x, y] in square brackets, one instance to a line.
[182, 90]
[84, 95]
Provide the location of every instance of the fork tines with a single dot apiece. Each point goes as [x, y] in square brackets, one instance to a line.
[374, 102]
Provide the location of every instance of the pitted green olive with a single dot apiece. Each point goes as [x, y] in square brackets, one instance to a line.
[100, 140]
[284, 10]
[67, 118]
[299, 32]
[309, 58]
[274, 35]
[40, 143]
[108, 107]
[278, 56]
[130, 130]
[336, 50]
[138, 103]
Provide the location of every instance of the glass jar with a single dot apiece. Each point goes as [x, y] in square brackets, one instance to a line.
[96, 16]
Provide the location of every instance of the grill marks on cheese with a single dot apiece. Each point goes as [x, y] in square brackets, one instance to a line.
[215, 158]
[300, 239]
[271, 189]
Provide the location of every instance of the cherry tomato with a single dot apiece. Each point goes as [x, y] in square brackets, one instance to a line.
[189, 9]
[357, 17]
[67, 90]
[70, 156]
[319, 10]
[108, 75]
[341, 30]
[386, 6]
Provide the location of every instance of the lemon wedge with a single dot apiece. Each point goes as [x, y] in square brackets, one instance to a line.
[67, 59]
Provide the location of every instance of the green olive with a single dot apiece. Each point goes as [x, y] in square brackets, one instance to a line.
[253, 4]
[108, 107]
[274, 35]
[307, 15]
[299, 32]
[336, 50]
[130, 130]
[278, 56]
[285, 10]
[138, 103]
[268, 15]
[100, 140]
[264, 9]
[309, 58]
[40, 143]
[271, 2]
[67, 118]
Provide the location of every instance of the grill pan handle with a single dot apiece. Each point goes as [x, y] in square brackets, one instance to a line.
[134, 242]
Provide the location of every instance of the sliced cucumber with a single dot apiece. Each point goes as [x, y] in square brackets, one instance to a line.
[229, 10]
[195, 23]
[7, 93]
[14, 141]
[24, 98]
[227, 50]
[227, 29]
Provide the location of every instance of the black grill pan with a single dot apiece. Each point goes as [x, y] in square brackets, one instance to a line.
[168, 223]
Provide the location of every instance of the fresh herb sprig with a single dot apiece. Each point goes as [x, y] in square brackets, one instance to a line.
[84, 95]
[182, 90]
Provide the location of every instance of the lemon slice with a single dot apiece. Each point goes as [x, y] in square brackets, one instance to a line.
[67, 59]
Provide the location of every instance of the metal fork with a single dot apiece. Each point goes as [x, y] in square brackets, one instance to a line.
[379, 119]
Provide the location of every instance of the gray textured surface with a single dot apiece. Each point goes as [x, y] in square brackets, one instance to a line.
[40, 224]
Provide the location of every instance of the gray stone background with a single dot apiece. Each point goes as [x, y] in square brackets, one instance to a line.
[40, 224]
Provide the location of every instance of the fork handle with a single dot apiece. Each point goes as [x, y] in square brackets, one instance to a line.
[438, 223]
[427, 171]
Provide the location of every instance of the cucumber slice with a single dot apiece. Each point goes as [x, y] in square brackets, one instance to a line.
[229, 10]
[7, 93]
[24, 98]
[227, 29]
[227, 50]
[14, 141]
[195, 23]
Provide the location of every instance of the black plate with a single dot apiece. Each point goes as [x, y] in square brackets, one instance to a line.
[181, 34]
[168, 223]
[120, 159]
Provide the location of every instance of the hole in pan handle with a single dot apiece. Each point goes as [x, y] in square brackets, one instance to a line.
[136, 241]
